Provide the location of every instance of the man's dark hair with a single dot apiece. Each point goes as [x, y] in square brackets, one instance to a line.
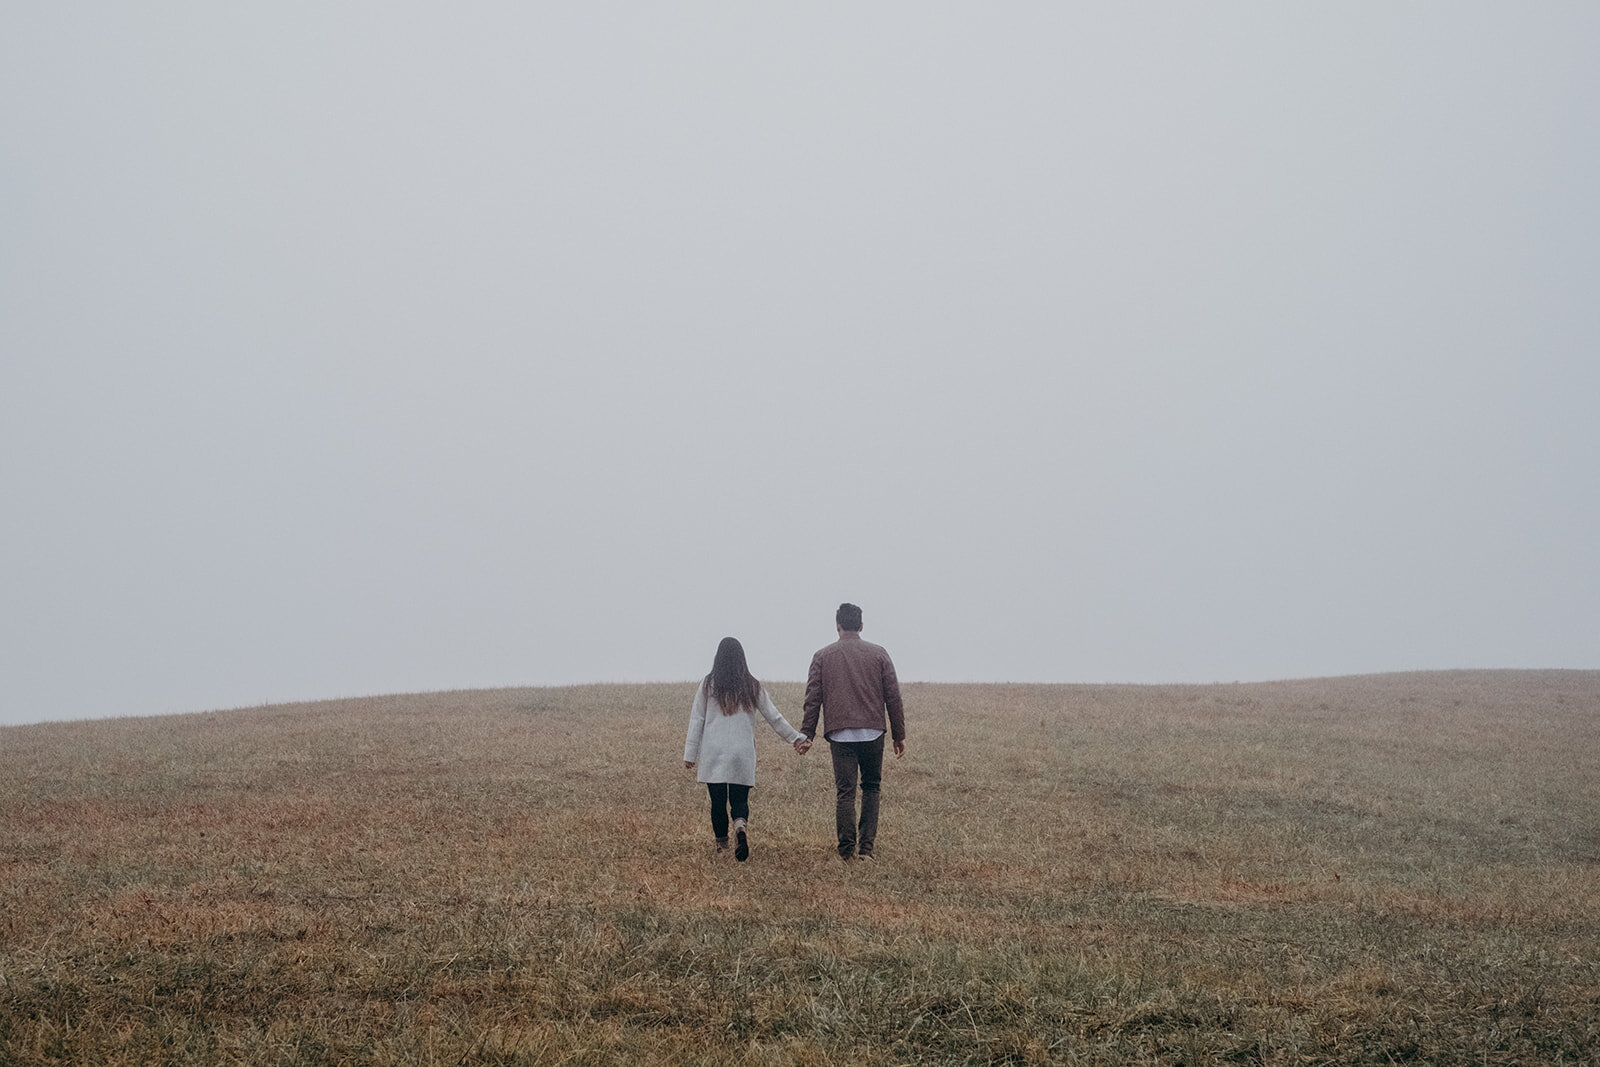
[848, 617]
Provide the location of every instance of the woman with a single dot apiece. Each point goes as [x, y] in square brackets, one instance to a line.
[722, 740]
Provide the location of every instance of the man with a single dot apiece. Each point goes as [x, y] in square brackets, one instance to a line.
[851, 684]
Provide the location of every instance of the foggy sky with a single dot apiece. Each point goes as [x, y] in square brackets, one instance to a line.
[365, 348]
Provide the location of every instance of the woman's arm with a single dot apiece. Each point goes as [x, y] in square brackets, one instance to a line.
[775, 719]
[697, 725]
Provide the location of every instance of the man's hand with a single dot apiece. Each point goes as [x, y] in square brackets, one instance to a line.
[688, 765]
[899, 749]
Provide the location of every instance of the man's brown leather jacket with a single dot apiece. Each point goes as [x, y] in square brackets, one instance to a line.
[852, 683]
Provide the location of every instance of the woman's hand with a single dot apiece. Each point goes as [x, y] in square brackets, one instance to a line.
[688, 764]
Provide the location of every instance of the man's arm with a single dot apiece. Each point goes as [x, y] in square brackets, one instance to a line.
[892, 703]
[813, 702]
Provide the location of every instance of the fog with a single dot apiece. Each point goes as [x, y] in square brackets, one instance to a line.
[366, 348]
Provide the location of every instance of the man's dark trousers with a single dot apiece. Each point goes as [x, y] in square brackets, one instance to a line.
[853, 761]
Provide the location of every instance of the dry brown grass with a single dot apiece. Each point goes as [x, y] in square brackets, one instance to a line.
[1357, 870]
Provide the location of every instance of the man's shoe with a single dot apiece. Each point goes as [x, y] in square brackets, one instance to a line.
[742, 851]
[722, 844]
[863, 855]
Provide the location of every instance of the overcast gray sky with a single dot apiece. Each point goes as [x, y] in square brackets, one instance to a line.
[360, 348]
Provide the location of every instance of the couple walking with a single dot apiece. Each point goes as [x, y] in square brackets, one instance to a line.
[851, 685]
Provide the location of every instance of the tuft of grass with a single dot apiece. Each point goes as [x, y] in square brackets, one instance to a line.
[1356, 870]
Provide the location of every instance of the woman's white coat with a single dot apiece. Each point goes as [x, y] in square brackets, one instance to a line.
[724, 746]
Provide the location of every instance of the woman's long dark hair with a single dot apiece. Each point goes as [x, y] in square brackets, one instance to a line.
[730, 682]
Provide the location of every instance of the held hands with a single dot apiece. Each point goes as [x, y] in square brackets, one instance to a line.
[802, 744]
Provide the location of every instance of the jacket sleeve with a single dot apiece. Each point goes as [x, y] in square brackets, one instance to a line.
[775, 719]
[813, 702]
[891, 700]
[697, 725]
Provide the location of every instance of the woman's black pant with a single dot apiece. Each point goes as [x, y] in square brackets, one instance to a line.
[723, 796]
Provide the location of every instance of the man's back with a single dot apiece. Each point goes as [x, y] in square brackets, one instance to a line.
[853, 683]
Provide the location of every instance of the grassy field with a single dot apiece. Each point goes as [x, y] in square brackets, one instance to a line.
[1361, 870]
